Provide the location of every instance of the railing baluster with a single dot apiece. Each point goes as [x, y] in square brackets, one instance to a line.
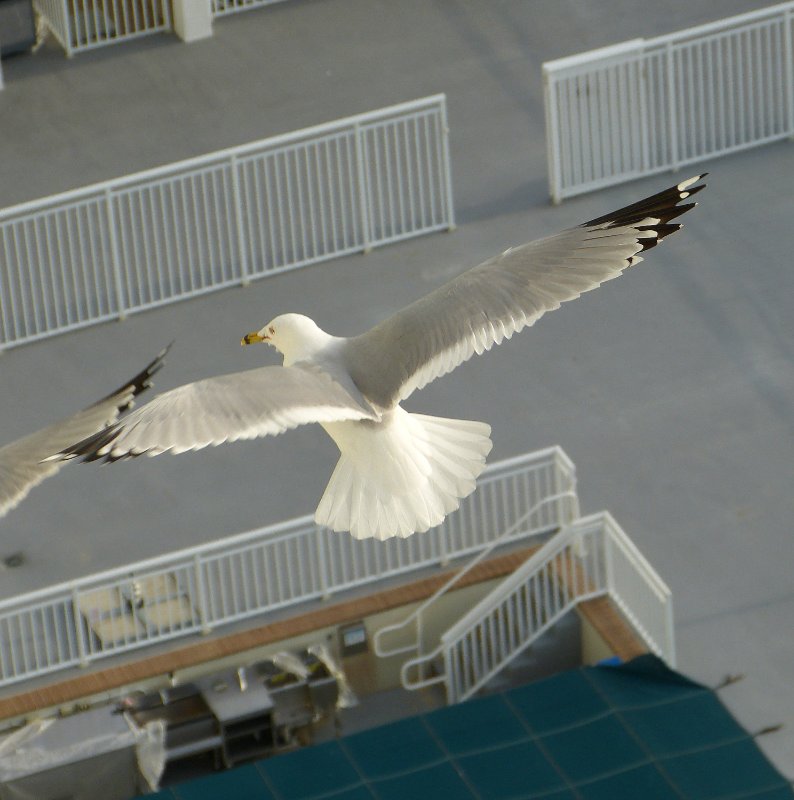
[788, 70]
[363, 181]
[201, 591]
[115, 260]
[79, 633]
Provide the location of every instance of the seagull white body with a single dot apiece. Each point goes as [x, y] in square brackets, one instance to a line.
[398, 472]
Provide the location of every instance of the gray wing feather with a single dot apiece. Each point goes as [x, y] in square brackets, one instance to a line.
[490, 302]
[22, 464]
[243, 405]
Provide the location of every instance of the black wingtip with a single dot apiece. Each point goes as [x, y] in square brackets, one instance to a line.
[140, 383]
[88, 449]
[663, 206]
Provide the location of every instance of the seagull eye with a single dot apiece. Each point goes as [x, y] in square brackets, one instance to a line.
[272, 330]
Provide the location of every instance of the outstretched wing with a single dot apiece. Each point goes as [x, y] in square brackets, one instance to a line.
[22, 464]
[243, 405]
[492, 301]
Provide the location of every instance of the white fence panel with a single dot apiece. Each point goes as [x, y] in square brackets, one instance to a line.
[650, 105]
[86, 24]
[175, 237]
[199, 225]
[257, 572]
[39, 639]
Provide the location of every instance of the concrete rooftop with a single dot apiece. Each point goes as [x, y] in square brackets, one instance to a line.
[672, 388]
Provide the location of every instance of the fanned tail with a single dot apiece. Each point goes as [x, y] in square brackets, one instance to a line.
[402, 475]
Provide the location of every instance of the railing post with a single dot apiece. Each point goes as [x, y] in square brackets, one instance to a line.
[669, 631]
[115, 260]
[552, 136]
[568, 502]
[609, 564]
[363, 187]
[79, 634]
[446, 166]
[443, 550]
[322, 563]
[788, 69]
[238, 218]
[168, 21]
[672, 128]
[645, 133]
[556, 487]
[419, 648]
[201, 590]
[9, 318]
[68, 31]
[450, 682]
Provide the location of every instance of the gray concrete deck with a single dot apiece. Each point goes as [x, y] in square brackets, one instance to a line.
[671, 388]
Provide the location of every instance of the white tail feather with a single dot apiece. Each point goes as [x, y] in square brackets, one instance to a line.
[401, 475]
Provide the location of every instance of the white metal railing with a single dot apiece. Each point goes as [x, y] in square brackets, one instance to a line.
[570, 511]
[226, 218]
[86, 24]
[639, 592]
[253, 573]
[650, 105]
[591, 557]
[221, 8]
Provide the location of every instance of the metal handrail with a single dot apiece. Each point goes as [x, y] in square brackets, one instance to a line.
[617, 537]
[601, 525]
[549, 551]
[640, 563]
[419, 610]
[538, 559]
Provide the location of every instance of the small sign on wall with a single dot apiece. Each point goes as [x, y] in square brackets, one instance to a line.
[353, 639]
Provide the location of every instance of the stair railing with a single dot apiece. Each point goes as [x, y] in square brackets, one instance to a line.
[589, 558]
[417, 615]
[568, 569]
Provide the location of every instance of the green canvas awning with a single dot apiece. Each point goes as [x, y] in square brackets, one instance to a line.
[637, 730]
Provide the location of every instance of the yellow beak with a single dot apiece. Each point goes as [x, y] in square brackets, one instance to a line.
[252, 338]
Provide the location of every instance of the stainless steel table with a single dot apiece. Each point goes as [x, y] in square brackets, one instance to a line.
[244, 710]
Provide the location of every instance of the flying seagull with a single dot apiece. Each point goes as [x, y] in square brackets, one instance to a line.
[398, 473]
[23, 464]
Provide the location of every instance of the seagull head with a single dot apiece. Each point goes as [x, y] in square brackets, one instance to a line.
[295, 336]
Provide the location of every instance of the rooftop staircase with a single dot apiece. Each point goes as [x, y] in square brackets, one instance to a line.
[590, 558]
